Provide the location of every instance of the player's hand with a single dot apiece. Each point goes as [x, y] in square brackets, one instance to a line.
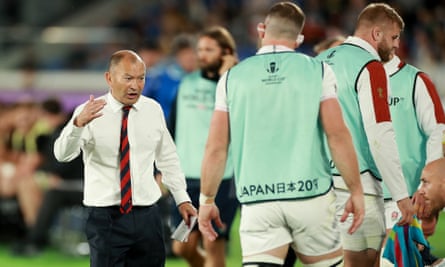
[407, 209]
[208, 213]
[420, 206]
[187, 210]
[228, 61]
[356, 206]
[90, 111]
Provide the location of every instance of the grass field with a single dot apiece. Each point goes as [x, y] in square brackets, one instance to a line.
[53, 258]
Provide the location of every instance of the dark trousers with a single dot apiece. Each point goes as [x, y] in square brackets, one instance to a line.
[54, 200]
[125, 240]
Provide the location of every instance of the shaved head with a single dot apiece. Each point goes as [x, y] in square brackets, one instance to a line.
[118, 56]
[433, 185]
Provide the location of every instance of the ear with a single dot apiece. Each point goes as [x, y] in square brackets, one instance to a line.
[377, 34]
[108, 77]
[300, 39]
[261, 29]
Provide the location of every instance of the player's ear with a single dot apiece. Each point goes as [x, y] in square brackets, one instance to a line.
[261, 29]
[377, 34]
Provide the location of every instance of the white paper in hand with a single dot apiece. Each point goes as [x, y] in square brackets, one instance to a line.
[182, 232]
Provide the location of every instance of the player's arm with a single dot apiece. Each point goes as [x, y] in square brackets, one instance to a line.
[372, 90]
[430, 114]
[68, 145]
[340, 144]
[215, 155]
[213, 164]
[342, 149]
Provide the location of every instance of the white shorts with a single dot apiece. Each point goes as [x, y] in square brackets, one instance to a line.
[308, 225]
[392, 213]
[372, 231]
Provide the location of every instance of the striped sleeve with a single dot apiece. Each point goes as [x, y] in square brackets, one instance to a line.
[379, 91]
[430, 115]
[434, 97]
[372, 89]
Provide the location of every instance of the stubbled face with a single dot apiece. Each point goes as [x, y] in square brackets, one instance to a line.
[209, 54]
[433, 191]
[389, 43]
[126, 80]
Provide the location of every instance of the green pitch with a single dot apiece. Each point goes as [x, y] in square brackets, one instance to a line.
[53, 258]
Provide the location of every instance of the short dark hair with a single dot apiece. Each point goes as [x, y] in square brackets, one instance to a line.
[288, 11]
[181, 42]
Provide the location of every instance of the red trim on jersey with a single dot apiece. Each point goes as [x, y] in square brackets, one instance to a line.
[431, 88]
[401, 64]
[379, 91]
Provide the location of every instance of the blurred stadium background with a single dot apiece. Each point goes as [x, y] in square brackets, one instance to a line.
[61, 48]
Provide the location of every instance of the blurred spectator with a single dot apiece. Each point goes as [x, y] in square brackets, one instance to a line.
[163, 79]
[11, 222]
[53, 186]
[6, 128]
[28, 123]
[151, 53]
[29, 193]
[23, 146]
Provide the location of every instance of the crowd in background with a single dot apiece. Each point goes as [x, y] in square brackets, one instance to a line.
[34, 186]
[423, 40]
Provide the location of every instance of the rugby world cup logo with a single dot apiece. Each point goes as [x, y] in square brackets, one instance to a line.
[272, 65]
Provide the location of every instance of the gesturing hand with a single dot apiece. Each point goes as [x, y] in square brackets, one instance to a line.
[91, 111]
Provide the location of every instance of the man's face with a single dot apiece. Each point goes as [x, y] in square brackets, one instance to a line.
[187, 59]
[126, 80]
[209, 54]
[389, 43]
[433, 191]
